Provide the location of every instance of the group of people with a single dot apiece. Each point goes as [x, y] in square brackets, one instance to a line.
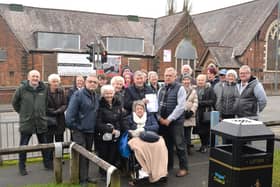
[100, 113]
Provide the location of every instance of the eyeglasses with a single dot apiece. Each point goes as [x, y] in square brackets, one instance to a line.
[89, 81]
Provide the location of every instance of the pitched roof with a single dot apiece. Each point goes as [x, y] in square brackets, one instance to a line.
[224, 57]
[234, 26]
[89, 25]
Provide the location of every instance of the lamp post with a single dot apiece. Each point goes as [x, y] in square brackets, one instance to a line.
[277, 50]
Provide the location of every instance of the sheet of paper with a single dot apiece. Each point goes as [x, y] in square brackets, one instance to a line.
[152, 105]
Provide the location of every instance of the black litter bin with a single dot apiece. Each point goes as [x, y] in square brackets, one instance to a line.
[246, 159]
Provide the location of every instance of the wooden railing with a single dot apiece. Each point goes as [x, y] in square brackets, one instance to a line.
[113, 177]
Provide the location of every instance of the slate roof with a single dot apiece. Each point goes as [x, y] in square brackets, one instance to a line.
[224, 57]
[234, 26]
[88, 25]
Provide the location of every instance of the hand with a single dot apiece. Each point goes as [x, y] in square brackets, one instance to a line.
[116, 133]
[145, 100]
[164, 122]
[188, 114]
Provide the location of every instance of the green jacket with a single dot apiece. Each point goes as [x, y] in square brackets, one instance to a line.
[31, 105]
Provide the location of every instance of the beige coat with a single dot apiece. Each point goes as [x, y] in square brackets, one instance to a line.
[191, 104]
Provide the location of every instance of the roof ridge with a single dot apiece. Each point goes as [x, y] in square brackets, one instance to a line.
[228, 7]
[78, 11]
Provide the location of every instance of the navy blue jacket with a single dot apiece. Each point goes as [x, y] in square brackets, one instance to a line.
[82, 111]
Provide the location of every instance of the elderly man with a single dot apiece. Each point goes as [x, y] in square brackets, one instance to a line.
[136, 91]
[30, 102]
[81, 119]
[186, 70]
[252, 97]
[172, 98]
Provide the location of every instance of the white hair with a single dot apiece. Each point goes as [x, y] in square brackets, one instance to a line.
[189, 67]
[117, 79]
[107, 87]
[233, 72]
[53, 77]
[152, 73]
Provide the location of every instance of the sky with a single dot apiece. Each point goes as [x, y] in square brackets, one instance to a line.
[143, 8]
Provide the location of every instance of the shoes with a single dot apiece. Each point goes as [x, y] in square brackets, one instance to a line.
[23, 172]
[84, 184]
[204, 149]
[182, 173]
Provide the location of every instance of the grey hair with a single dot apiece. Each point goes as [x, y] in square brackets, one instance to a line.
[136, 103]
[106, 87]
[152, 73]
[116, 79]
[245, 67]
[53, 77]
[138, 73]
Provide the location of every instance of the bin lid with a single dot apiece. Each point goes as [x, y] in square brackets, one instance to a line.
[242, 127]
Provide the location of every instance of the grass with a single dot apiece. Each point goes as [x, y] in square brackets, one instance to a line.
[276, 169]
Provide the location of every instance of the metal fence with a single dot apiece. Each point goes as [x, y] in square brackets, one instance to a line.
[10, 137]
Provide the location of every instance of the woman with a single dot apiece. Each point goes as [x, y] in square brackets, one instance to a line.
[108, 126]
[128, 79]
[190, 109]
[55, 110]
[226, 95]
[140, 120]
[206, 102]
[118, 83]
[146, 153]
[78, 84]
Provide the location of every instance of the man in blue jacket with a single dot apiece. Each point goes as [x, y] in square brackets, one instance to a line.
[81, 118]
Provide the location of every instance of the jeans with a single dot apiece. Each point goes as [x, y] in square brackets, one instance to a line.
[85, 140]
[187, 133]
[174, 135]
[24, 140]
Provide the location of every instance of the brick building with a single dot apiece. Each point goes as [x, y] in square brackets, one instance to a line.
[38, 38]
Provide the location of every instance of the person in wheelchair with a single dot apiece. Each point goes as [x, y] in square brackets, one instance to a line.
[148, 147]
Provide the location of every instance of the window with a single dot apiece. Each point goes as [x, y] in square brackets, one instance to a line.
[3, 55]
[125, 45]
[48, 40]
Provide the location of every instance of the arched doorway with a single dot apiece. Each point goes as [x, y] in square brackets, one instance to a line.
[185, 54]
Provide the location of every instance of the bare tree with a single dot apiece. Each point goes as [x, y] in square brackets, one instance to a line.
[171, 7]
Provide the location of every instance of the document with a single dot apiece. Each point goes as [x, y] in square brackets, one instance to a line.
[152, 105]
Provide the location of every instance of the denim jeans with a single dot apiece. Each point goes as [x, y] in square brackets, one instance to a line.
[24, 140]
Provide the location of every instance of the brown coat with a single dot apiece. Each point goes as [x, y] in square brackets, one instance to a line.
[191, 104]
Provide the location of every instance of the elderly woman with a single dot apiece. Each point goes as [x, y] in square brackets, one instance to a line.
[190, 109]
[55, 110]
[78, 84]
[226, 95]
[206, 103]
[118, 83]
[128, 79]
[146, 153]
[108, 125]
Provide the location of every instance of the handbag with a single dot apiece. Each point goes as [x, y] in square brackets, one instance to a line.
[123, 145]
[206, 117]
[51, 121]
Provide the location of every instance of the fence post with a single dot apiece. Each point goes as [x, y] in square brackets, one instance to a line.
[57, 162]
[74, 167]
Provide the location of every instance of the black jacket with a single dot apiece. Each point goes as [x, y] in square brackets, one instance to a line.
[56, 107]
[108, 115]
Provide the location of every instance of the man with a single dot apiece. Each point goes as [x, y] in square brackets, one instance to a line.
[136, 91]
[81, 119]
[30, 102]
[186, 70]
[172, 99]
[252, 97]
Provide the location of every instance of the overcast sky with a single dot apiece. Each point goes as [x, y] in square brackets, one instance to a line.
[145, 8]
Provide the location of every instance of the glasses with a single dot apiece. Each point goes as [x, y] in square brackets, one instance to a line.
[89, 81]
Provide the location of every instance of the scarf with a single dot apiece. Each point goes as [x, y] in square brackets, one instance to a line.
[140, 122]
